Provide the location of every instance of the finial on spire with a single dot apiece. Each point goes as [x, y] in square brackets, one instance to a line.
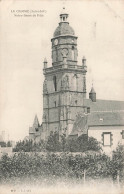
[92, 83]
[92, 88]
[92, 94]
[45, 63]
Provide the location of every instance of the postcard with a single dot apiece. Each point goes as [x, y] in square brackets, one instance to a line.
[62, 96]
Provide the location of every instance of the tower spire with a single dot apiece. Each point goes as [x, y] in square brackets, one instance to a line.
[36, 122]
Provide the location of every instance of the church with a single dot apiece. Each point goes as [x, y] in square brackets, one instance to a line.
[66, 108]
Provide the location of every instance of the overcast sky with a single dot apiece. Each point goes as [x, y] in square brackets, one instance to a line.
[25, 42]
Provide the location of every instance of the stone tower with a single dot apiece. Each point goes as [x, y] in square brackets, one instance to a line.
[64, 87]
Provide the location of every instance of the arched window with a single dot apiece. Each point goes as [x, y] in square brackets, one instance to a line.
[55, 83]
[74, 82]
[72, 52]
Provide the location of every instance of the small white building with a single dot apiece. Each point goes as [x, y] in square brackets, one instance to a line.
[104, 121]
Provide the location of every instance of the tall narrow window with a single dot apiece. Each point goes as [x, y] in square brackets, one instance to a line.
[56, 54]
[55, 103]
[74, 82]
[107, 141]
[72, 52]
[55, 83]
[107, 138]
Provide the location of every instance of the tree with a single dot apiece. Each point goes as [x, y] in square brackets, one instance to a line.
[3, 144]
[53, 144]
[29, 146]
[82, 143]
[9, 144]
[25, 146]
[117, 163]
[56, 143]
[63, 142]
[72, 145]
[93, 144]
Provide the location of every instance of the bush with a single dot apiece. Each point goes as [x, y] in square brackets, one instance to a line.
[3, 144]
[82, 144]
[117, 163]
[29, 146]
[34, 167]
[55, 143]
[50, 167]
[93, 144]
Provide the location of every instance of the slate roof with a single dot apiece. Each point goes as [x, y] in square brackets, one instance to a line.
[104, 105]
[112, 117]
[106, 119]
[35, 126]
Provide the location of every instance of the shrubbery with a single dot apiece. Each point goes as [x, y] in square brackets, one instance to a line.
[55, 143]
[65, 164]
[23, 166]
[5, 144]
[117, 163]
[29, 146]
[49, 167]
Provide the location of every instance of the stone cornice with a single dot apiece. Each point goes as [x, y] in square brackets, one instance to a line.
[63, 91]
[71, 106]
[75, 44]
[77, 69]
[65, 35]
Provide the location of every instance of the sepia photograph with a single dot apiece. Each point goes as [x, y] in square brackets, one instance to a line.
[62, 96]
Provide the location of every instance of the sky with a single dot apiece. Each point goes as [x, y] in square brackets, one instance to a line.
[26, 41]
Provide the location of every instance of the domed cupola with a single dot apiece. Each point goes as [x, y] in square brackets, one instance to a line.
[64, 28]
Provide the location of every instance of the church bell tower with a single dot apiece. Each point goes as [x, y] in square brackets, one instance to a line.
[64, 88]
[64, 43]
